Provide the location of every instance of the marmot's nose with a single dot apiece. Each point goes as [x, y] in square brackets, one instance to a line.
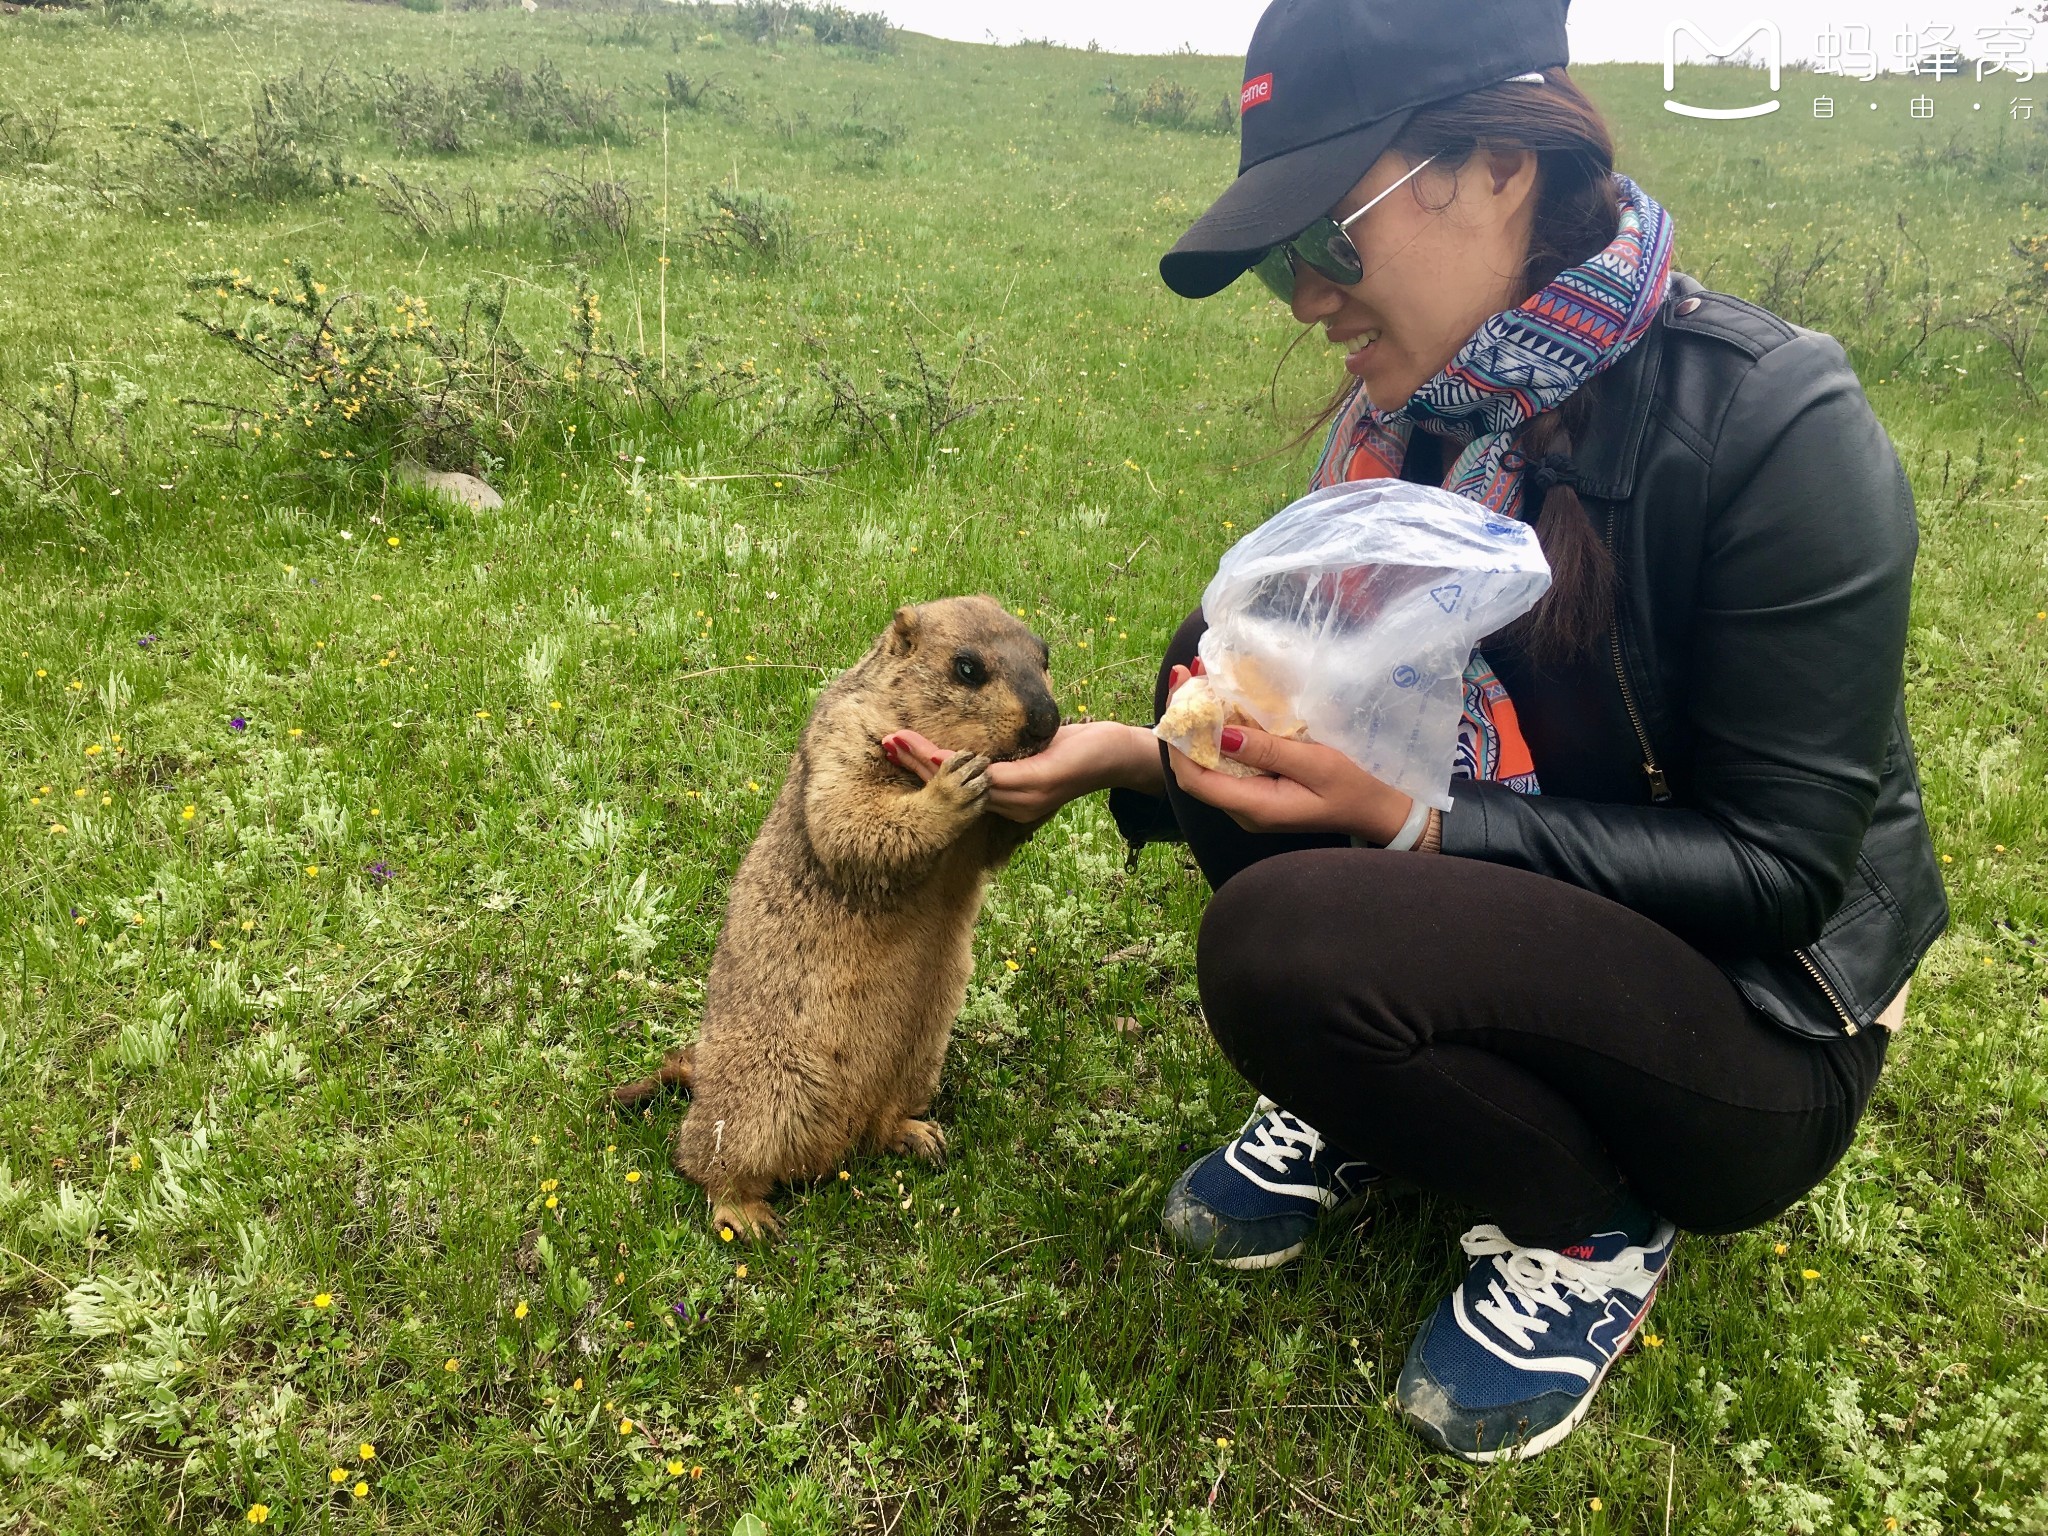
[1042, 720]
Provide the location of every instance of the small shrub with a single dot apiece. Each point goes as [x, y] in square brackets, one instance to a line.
[457, 218]
[686, 95]
[452, 114]
[30, 138]
[858, 142]
[775, 21]
[582, 210]
[543, 108]
[746, 228]
[276, 158]
[423, 112]
[1169, 104]
[75, 428]
[356, 381]
[904, 412]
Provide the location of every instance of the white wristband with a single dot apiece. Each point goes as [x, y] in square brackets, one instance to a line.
[1411, 829]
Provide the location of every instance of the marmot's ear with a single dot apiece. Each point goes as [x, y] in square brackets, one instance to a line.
[903, 629]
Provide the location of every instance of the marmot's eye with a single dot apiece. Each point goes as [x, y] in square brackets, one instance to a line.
[970, 670]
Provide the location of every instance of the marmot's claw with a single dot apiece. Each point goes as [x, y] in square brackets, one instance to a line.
[751, 1220]
[919, 1138]
[964, 776]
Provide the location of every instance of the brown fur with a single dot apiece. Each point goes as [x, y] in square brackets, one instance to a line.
[847, 942]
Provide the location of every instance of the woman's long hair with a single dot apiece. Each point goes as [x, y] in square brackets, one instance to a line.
[1577, 213]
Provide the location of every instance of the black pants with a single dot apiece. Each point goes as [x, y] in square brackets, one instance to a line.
[1509, 1040]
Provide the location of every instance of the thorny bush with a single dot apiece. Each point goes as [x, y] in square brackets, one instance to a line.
[358, 381]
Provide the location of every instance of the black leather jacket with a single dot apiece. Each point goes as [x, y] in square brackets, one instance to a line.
[1759, 796]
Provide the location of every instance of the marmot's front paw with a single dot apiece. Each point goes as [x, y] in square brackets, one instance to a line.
[961, 782]
[917, 1138]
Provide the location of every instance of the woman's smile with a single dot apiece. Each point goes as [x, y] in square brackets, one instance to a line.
[1357, 345]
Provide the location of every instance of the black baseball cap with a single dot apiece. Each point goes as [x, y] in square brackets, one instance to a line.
[1327, 86]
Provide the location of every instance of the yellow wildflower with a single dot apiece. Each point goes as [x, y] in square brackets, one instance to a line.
[633, 1177]
[324, 1300]
[337, 1474]
[675, 1469]
[258, 1514]
[361, 1490]
[451, 1364]
[366, 1452]
[625, 1426]
[519, 1312]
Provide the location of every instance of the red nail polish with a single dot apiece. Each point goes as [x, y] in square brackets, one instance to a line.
[937, 761]
[1230, 739]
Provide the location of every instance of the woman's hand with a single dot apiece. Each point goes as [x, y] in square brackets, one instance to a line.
[1080, 759]
[1303, 787]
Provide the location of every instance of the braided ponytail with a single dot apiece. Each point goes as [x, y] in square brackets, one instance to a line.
[1569, 619]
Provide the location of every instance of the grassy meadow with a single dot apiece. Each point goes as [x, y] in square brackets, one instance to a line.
[357, 840]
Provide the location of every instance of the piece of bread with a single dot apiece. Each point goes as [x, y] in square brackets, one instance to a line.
[1194, 718]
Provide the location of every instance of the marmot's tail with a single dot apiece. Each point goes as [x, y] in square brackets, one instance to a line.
[678, 1069]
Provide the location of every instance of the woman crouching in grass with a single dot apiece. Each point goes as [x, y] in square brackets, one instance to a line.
[1642, 975]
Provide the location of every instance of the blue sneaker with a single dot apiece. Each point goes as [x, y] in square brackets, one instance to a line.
[1508, 1363]
[1252, 1203]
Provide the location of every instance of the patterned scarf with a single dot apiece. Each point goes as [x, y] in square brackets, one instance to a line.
[1519, 362]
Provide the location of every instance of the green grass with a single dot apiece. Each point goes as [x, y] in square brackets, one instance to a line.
[241, 1069]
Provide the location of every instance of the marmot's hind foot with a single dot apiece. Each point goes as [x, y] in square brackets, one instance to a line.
[678, 1069]
[751, 1220]
[916, 1138]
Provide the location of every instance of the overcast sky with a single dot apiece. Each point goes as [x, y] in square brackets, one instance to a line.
[1600, 30]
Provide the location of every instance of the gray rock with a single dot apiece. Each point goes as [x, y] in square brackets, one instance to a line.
[466, 489]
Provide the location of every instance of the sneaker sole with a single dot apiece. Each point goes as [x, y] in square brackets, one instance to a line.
[1538, 1443]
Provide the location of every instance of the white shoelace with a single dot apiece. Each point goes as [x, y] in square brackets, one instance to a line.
[1527, 1280]
[1280, 1138]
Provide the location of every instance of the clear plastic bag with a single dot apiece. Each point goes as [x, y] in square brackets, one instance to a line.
[1349, 616]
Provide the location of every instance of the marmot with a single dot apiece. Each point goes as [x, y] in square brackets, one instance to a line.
[847, 942]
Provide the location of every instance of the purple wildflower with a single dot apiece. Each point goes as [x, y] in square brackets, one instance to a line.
[238, 724]
[681, 1310]
[379, 872]
[146, 641]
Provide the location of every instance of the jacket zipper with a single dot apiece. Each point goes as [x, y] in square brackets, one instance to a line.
[1660, 787]
[1848, 1024]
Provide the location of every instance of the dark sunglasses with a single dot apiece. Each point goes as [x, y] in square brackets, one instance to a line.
[1325, 246]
